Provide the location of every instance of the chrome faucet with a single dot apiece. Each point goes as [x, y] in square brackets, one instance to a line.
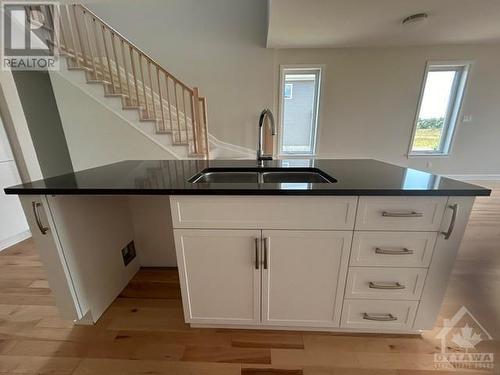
[266, 113]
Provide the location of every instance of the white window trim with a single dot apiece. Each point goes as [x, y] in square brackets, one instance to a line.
[281, 99]
[461, 92]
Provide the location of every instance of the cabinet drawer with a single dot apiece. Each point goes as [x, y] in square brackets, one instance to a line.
[382, 315]
[385, 283]
[392, 249]
[268, 212]
[400, 213]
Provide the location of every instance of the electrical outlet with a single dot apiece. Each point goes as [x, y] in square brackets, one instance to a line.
[128, 253]
[467, 118]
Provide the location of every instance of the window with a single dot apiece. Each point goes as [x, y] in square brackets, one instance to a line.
[438, 109]
[300, 90]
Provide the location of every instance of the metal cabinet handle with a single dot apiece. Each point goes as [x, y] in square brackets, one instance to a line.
[395, 285]
[404, 251]
[257, 253]
[379, 317]
[454, 208]
[35, 206]
[402, 214]
[266, 248]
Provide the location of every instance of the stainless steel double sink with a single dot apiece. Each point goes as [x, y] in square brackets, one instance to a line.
[262, 175]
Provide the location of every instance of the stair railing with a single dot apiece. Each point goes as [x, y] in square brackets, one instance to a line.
[129, 72]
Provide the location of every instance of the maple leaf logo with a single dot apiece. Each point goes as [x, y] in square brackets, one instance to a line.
[467, 338]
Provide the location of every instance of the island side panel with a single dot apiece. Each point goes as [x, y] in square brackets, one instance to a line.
[92, 231]
[52, 256]
[443, 259]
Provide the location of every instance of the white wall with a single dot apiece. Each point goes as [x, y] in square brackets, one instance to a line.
[216, 45]
[370, 98]
[13, 225]
[11, 107]
[94, 134]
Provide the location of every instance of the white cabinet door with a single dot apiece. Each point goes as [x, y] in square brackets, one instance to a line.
[220, 275]
[303, 277]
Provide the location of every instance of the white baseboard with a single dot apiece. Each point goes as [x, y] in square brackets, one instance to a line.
[305, 328]
[8, 242]
[474, 177]
[235, 151]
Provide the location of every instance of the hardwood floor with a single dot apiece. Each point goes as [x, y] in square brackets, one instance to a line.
[143, 331]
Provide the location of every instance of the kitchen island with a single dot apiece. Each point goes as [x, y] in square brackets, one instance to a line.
[335, 245]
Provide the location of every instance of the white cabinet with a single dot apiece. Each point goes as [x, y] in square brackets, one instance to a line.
[301, 273]
[289, 272]
[220, 275]
[392, 249]
[385, 283]
[82, 250]
[303, 277]
[413, 242]
[377, 315]
[400, 213]
[304, 272]
[283, 261]
[270, 212]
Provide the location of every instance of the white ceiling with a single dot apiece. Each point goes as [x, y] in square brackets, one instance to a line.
[356, 23]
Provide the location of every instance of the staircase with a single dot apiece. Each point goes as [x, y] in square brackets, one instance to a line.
[107, 58]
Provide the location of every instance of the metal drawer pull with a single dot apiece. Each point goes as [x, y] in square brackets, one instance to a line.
[379, 317]
[448, 233]
[395, 285]
[402, 214]
[43, 229]
[404, 251]
[257, 253]
[265, 252]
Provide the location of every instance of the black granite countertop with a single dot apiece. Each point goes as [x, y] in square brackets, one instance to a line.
[156, 177]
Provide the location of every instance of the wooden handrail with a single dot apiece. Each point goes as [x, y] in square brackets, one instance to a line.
[90, 44]
[139, 50]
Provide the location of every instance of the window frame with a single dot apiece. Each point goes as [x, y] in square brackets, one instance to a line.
[318, 69]
[454, 109]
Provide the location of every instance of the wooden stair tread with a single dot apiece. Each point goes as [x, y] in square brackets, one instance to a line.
[148, 120]
[98, 81]
[111, 95]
